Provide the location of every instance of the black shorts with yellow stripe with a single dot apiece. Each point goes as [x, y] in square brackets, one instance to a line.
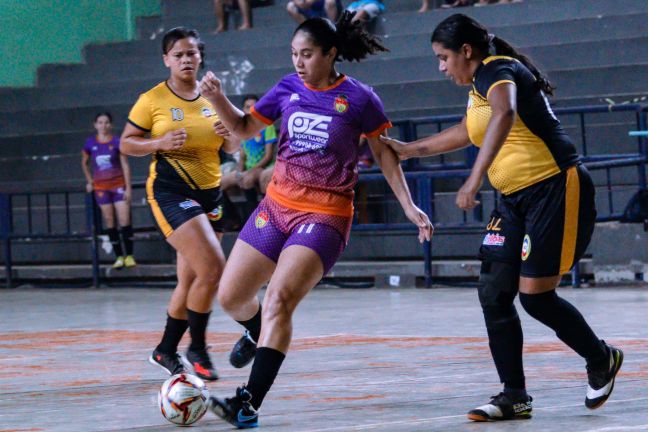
[546, 227]
[174, 203]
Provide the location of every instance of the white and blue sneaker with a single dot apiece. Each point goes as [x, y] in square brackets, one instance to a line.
[237, 410]
[601, 380]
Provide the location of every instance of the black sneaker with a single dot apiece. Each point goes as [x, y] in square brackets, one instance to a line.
[243, 352]
[601, 380]
[501, 407]
[201, 364]
[169, 362]
[237, 411]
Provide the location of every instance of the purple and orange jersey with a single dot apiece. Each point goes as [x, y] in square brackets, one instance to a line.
[316, 168]
[106, 163]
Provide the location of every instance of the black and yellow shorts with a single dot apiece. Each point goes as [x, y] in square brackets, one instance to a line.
[174, 203]
[546, 227]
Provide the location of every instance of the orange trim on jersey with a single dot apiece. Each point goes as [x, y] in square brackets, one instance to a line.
[103, 142]
[380, 129]
[165, 227]
[113, 184]
[346, 211]
[332, 86]
[257, 115]
[496, 83]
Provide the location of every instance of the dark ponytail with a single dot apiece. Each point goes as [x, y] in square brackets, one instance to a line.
[459, 29]
[349, 37]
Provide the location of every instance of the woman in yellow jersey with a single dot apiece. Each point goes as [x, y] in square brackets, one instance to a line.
[175, 124]
[544, 219]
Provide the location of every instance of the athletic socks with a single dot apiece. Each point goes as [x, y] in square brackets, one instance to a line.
[197, 329]
[253, 325]
[173, 332]
[567, 322]
[126, 234]
[264, 371]
[113, 235]
[505, 340]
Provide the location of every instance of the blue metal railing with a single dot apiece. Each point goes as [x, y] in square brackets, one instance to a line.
[421, 176]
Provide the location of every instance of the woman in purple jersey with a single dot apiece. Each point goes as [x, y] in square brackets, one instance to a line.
[300, 229]
[110, 181]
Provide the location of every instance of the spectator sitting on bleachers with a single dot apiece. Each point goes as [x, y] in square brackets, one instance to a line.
[301, 10]
[222, 11]
[457, 3]
[366, 10]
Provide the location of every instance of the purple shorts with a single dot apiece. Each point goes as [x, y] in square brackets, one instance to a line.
[272, 228]
[109, 196]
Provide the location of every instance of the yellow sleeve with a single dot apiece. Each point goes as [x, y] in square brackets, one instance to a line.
[141, 115]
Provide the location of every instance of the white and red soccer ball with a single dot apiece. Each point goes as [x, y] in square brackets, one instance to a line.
[183, 399]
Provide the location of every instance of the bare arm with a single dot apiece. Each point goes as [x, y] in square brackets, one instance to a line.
[127, 176]
[85, 166]
[389, 163]
[134, 143]
[236, 121]
[451, 139]
[231, 144]
[502, 100]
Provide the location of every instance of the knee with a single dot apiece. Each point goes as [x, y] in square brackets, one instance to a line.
[537, 305]
[277, 307]
[498, 286]
[210, 277]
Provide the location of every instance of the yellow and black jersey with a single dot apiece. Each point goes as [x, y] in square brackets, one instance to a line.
[197, 163]
[537, 146]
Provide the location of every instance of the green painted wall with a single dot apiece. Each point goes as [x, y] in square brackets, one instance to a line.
[55, 31]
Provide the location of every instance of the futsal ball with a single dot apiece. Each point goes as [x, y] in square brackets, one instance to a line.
[183, 399]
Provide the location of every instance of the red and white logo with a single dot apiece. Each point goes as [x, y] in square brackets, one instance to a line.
[526, 247]
[494, 240]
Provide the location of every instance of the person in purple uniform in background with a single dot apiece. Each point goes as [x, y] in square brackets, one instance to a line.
[301, 227]
[110, 180]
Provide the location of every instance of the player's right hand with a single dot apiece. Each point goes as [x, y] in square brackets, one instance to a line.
[89, 187]
[173, 140]
[210, 85]
[400, 147]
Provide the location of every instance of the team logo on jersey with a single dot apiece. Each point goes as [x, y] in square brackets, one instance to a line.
[185, 205]
[103, 162]
[261, 220]
[177, 114]
[526, 247]
[207, 112]
[308, 131]
[216, 214]
[341, 103]
[494, 240]
[294, 97]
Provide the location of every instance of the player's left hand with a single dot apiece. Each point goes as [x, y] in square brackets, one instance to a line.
[221, 130]
[127, 194]
[466, 195]
[210, 86]
[422, 221]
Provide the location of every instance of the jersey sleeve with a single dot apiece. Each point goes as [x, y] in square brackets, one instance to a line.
[87, 147]
[493, 74]
[268, 108]
[374, 120]
[141, 115]
[270, 135]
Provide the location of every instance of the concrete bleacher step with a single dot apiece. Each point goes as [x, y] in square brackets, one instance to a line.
[376, 69]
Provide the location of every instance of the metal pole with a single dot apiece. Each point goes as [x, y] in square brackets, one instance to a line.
[5, 230]
[94, 241]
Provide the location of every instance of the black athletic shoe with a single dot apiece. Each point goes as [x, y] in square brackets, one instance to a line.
[169, 362]
[501, 407]
[601, 380]
[201, 364]
[237, 410]
[243, 352]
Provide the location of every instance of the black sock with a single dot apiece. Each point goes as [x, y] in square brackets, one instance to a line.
[253, 325]
[126, 233]
[173, 332]
[113, 235]
[505, 340]
[265, 368]
[567, 322]
[197, 329]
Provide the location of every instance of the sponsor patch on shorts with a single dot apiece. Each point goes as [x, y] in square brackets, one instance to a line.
[261, 219]
[526, 247]
[185, 205]
[494, 240]
[216, 214]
